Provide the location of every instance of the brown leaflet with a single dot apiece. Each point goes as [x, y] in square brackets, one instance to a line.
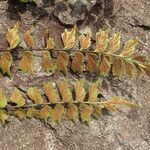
[32, 113]
[129, 47]
[35, 95]
[105, 65]
[45, 112]
[46, 63]
[64, 90]
[85, 41]
[97, 111]
[79, 90]
[72, 112]
[6, 62]
[114, 43]
[29, 39]
[57, 113]
[139, 70]
[77, 63]
[139, 58]
[129, 68]
[92, 63]
[20, 113]
[13, 37]
[118, 67]
[146, 68]
[68, 38]
[26, 63]
[93, 91]
[86, 112]
[50, 92]
[62, 62]
[101, 40]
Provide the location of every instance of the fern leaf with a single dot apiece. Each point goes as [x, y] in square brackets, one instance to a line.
[111, 105]
[79, 90]
[129, 47]
[3, 116]
[139, 70]
[13, 37]
[62, 62]
[85, 41]
[32, 113]
[77, 63]
[68, 38]
[20, 113]
[129, 69]
[6, 62]
[93, 91]
[57, 113]
[50, 44]
[3, 99]
[105, 65]
[29, 39]
[17, 98]
[92, 63]
[118, 67]
[35, 95]
[45, 113]
[101, 40]
[97, 111]
[72, 112]
[114, 43]
[86, 112]
[46, 63]
[64, 90]
[50, 92]
[26, 63]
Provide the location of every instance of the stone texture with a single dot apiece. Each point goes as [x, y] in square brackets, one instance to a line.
[126, 130]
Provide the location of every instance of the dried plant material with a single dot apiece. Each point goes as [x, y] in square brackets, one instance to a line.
[17, 98]
[79, 90]
[47, 63]
[6, 62]
[26, 63]
[146, 68]
[64, 90]
[62, 62]
[3, 116]
[139, 70]
[86, 112]
[140, 58]
[45, 113]
[29, 39]
[129, 69]
[50, 92]
[105, 65]
[93, 91]
[92, 63]
[111, 105]
[35, 95]
[118, 67]
[114, 43]
[32, 113]
[20, 113]
[72, 112]
[68, 38]
[97, 111]
[13, 37]
[57, 113]
[3, 99]
[129, 48]
[77, 63]
[50, 44]
[85, 41]
[101, 40]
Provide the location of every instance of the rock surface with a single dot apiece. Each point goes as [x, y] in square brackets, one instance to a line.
[126, 130]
